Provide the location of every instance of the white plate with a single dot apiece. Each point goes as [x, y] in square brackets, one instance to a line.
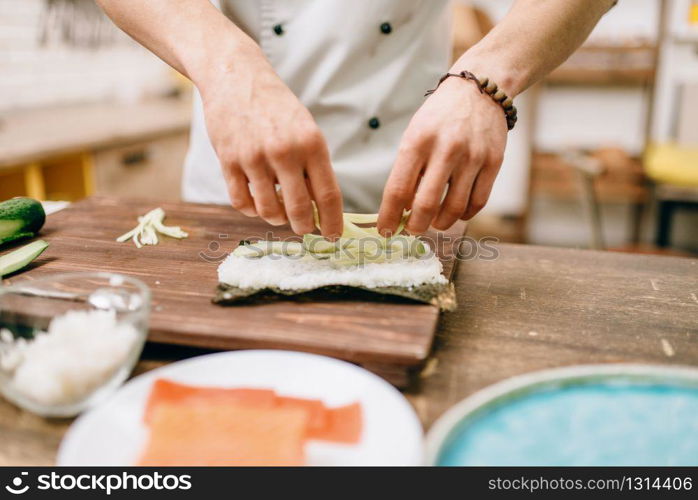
[113, 433]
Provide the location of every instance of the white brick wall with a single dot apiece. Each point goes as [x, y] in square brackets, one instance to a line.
[32, 75]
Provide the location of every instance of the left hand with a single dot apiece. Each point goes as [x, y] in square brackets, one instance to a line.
[455, 140]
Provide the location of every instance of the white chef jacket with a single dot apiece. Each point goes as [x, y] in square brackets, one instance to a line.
[361, 68]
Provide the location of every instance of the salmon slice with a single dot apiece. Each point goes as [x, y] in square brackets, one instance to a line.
[339, 425]
[225, 434]
[168, 392]
[344, 425]
[317, 411]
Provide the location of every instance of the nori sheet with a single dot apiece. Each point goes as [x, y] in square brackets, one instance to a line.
[442, 296]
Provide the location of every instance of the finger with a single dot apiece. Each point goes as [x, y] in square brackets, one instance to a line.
[399, 190]
[431, 189]
[296, 199]
[456, 200]
[417, 183]
[480, 192]
[460, 198]
[264, 194]
[428, 198]
[239, 191]
[326, 193]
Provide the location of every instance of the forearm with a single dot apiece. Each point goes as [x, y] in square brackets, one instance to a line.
[534, 38]
[192, 36]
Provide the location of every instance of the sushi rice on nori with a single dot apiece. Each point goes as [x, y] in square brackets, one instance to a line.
[361, 264]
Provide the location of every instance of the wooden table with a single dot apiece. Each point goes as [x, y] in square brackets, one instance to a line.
[531, 308]
[387, 337]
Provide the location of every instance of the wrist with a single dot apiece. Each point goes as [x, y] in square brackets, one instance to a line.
[234, 65]
[484, 85]
[508, 77]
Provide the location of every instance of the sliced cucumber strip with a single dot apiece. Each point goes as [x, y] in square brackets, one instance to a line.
[361, 218]
[356, 246]
[262, 248]
[18, 259]
[149, 225]
[317, 244]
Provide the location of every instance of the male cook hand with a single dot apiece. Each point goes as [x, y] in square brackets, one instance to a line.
[264, 136]
[455, 140]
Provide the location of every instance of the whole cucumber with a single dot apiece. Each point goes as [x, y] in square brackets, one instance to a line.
[20, 218]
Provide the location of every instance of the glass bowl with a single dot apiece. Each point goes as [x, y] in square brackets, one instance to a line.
[68, 341]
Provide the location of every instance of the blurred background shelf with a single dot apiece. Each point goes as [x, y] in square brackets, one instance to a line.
[620, 64]
[622, 181]
[89, 114]
[68, 152]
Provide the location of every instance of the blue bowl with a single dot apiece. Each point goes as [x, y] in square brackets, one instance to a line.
[598, 415]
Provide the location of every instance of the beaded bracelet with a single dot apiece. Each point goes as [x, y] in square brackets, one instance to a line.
[489, 87]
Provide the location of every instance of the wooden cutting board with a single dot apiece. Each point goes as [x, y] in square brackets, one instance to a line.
[387, 338]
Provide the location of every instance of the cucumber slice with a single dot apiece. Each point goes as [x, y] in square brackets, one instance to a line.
[10, 228]
[361, 218]
[16, 260]
[356, 246]
[317, 244]
[262, 248]
[248, 251]
[20, 218]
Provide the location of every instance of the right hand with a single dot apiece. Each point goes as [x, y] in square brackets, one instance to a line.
[264, 136]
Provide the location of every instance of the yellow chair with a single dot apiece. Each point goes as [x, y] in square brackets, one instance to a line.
[674, 171]
[672, 164]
